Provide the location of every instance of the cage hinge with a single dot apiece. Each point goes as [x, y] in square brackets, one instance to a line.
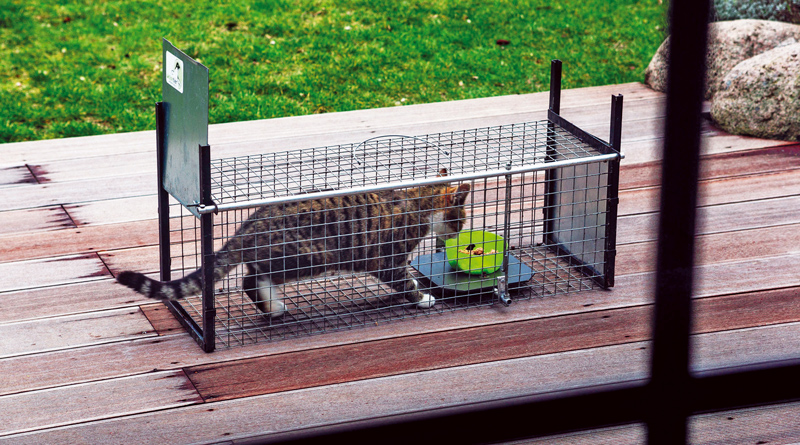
[204, 208]
[613, 201]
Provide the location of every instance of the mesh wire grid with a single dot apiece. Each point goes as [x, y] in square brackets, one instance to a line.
[540, 233]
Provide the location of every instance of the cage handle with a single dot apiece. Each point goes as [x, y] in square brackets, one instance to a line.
[390, 136]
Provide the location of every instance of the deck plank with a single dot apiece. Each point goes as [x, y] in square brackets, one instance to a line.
[636, 228]
[778, 424]
[161, 319]
[715, 248]
[764, 425]
[650, 149]
[71, 331]
[31, 274]
[266, 375]
[335, 127]
[122, 358]
[739, 216]
[55, 407]
[114, 210]
[114, 165]
[80, 240]
[249, 377]
[15, 176]
[752, 179]
[74, 192]
[66, 299]
[143, 233]
[333, 404]
[719, 191]
[34, 220]
[749, 162]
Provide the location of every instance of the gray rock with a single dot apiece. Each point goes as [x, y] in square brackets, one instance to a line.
[728, 44]
[761, 96]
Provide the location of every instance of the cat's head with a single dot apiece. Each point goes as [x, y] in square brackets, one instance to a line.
[449, 215]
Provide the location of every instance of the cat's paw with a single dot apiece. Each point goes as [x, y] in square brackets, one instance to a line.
[276, 308]
[426, 302]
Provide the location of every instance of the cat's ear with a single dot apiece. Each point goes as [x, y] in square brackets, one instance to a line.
[457, 196]
[442, 172]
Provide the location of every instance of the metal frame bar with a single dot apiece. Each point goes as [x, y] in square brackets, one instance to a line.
[604, 278]
[249, 204]
[612, 197]
[163, 196]
[551, 174]
[165, 258]
[207, 251]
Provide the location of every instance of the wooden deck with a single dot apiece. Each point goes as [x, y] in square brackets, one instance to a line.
[83, 359]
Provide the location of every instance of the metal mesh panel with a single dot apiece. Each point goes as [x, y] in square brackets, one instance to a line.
[322, 264]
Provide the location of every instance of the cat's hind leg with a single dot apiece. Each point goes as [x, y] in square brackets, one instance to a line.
[264, 294]
[400, 280]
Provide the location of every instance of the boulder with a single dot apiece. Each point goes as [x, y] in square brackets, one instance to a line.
[761, 96]
[728, 44]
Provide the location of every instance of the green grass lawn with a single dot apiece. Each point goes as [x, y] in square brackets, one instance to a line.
[83, 67]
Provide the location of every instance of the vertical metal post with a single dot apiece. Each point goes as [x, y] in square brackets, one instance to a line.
[165, 260]
[612, 193]
[670, 378]
[207, 251]
[551, 175]
[555, 86]
[502, 282]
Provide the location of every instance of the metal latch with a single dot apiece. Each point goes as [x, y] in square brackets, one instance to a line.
[502, 291]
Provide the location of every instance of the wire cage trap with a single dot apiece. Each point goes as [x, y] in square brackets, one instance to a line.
[330, 238]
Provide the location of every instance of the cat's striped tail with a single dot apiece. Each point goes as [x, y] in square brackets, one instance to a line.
[170, 290]
[187, 286]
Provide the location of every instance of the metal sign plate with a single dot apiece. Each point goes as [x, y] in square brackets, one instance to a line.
[184, 91]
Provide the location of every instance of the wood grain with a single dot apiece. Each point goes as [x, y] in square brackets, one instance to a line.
[651, 149]
[161, 318]
[746, 215]
[637, 228]
[34, 220]
[51, 271]
[66, 299]
[114, 210]
[79, 240]
[49, 334]
[245, 378]
[50, 194]
[265, 375]
[719, 191]
[716, 248]
[764, 425]
[106, 399]
[749, 162]
[334, 404]
[143, 162]
[15, 176]
[62, 367]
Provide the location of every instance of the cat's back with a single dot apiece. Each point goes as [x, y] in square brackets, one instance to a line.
[356, 212]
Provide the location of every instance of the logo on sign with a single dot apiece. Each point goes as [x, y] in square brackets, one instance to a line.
[173, 70]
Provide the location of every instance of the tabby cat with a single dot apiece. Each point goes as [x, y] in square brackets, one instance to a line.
[369, 232]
